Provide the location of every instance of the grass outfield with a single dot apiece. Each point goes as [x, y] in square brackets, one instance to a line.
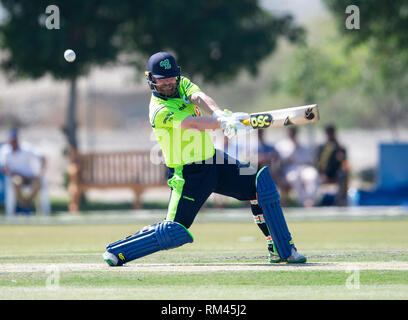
[346, 260]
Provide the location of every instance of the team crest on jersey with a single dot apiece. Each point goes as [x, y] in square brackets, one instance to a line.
[197, 111]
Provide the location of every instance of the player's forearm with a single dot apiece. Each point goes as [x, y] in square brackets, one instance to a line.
[200, 123]
[205, 102]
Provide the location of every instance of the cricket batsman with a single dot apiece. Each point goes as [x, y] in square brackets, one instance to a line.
[196, 169]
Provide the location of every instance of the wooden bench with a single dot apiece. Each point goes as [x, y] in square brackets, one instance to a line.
[106, 170]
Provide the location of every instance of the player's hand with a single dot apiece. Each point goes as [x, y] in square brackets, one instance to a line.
[240, 116]
[241, 128]
[233, 126]
[221, 114]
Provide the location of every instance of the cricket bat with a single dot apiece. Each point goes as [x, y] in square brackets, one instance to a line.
[283, 117]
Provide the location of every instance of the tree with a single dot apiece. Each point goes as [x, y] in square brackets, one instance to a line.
[215, 39]
[88, 27]
[384, 23]
[324, 73]
[383, 29]
[311, 74]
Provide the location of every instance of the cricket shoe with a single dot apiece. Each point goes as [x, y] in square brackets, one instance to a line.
[296, 257]
[111, 259]
[273, 255]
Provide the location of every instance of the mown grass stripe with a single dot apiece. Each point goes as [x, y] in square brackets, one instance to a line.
[92, 279]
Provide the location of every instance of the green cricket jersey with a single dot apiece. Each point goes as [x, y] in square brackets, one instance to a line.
[179, 146]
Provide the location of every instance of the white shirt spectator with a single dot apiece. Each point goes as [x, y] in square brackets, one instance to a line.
[298, 170]
[25, 161]
[294, 154]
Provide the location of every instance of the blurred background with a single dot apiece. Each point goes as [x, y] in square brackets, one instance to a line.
[248, 55]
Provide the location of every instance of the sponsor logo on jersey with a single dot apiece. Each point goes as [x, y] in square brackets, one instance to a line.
[261, 120]
[169, 117]
[197, 111]
[182, 107]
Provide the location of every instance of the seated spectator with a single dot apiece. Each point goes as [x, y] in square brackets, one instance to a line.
[23, 169]
[298, 171]
[333, 166]
[268, 156]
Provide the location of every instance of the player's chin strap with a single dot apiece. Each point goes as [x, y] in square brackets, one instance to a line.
[152, 84]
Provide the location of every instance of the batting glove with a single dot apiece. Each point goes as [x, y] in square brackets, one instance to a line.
[232, 125]
[221, 114]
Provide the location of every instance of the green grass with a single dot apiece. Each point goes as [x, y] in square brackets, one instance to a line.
[215, 244]
[219, 285]
[90, 279]
[61, 205]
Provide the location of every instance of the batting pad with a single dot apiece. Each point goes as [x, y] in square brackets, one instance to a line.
[161, 236]
[268, 198]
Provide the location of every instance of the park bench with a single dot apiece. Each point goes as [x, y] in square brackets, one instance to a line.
[112, 170]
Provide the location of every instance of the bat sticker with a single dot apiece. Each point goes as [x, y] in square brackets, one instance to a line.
[261, 120]
[287, 122]
[309, 115]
